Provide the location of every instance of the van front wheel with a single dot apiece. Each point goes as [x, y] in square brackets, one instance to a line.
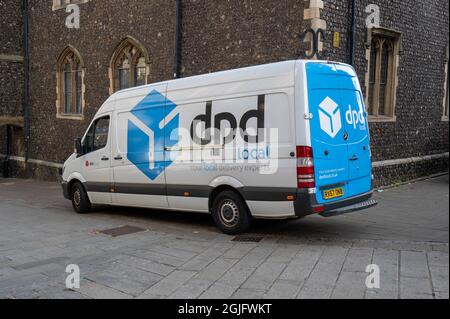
[80, 200]
[230, 213]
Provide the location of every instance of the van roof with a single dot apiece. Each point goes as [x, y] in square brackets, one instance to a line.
[228, 76]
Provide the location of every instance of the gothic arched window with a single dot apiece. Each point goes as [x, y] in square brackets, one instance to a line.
[129, 65]
[382, 73]
[70, 75]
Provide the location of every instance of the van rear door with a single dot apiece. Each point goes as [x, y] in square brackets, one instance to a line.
[357, 134]
[339, 132]
[327, 129]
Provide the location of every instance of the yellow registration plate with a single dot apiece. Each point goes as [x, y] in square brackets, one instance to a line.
[333, 193]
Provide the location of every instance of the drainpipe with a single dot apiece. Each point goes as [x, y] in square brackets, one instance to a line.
[178, 37]
[26, 72]
[352, 35]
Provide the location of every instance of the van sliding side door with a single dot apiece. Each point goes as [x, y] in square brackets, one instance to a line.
[139, 157]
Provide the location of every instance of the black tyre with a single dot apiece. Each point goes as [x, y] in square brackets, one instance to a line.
[80, 201]
[230, 213]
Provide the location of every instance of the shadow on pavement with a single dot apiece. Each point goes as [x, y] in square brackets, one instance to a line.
[307, 228]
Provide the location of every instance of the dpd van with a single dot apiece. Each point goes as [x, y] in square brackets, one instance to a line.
[276, 141]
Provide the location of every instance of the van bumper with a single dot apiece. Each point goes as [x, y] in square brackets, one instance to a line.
[306, 205]
[65, 188]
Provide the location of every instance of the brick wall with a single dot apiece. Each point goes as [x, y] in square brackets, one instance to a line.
[225, 34]
[11, 71]
[104, 24]
[11, 27]
[419, 129]
[11, 68]
[11, 88]
[220, 35]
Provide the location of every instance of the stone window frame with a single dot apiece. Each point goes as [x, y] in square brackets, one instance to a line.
[391, 86]
[61, 4]
[60, 101]
[445, 113]
[119, 50]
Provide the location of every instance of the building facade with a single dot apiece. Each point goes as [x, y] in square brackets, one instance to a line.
[399, 49]
[11, 79]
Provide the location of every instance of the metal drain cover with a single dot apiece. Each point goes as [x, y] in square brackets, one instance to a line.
[121, 231]
[248, 238]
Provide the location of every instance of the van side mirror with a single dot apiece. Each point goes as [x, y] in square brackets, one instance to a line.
[78, 147]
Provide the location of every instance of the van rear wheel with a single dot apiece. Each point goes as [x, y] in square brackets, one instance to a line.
[230, 213]
[80, 201]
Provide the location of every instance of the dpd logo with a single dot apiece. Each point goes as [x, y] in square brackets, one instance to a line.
[330, 117]
[354, 117]
[149, 134]
[240, 126]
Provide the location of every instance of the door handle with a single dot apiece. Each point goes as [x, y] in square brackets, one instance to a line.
[118, 158]
[104, 158]
[354, 159]
[345, 136]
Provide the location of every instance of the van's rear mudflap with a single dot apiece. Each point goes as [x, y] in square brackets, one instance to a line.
[306, 205]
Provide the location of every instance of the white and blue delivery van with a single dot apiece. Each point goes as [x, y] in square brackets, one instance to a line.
[277, 141]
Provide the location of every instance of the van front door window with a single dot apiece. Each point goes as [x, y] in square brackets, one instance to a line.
[101, 133]
[97, 136]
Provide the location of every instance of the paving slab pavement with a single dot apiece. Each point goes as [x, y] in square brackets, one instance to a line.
[182, 255]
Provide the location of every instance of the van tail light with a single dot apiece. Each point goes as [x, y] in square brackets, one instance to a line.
[305, 167]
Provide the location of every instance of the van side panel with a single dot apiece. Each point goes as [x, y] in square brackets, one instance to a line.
[172, 144]
[138, 153]
[266, 103]
[302, 124]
